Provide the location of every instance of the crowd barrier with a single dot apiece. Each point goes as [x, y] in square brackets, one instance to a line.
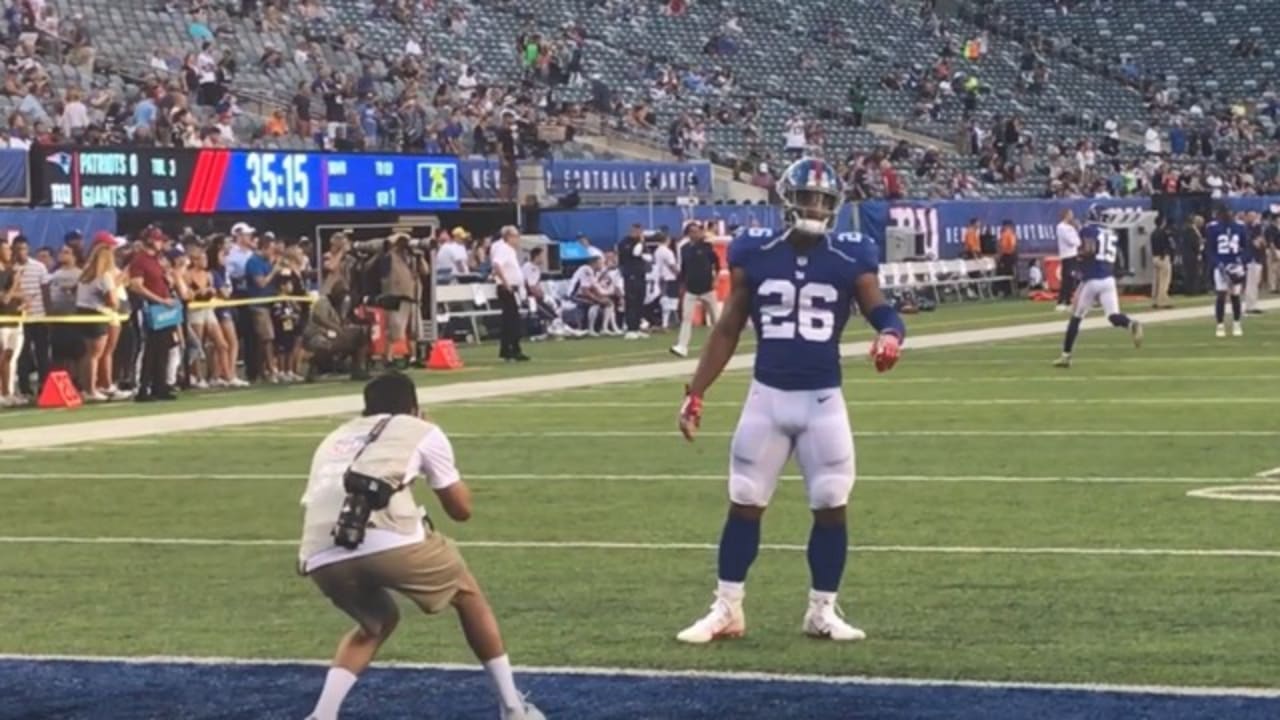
[114, 318]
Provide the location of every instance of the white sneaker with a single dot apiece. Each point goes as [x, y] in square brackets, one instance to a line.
[528, 712]
[1237, 329]
[631, 336]
[1222, 330]
[118, 394]
[238, 383]
[216, 383]
[199, 384]
[95, 396]
[824, 619]
[679, 351]
[726, 620]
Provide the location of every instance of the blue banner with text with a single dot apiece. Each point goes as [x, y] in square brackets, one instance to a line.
[481, 179]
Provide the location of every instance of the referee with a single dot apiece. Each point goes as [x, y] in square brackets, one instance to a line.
[510, 279]
[634, 269]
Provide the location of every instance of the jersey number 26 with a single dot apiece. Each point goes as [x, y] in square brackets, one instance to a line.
[787, 310]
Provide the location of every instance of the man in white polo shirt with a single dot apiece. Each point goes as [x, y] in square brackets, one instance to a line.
[1068, 249]
[35, 346]
[510, 280]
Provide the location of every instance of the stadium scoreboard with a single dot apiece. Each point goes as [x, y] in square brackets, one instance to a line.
[206, 181]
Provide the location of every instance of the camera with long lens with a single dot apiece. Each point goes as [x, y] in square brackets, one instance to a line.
[365, 494]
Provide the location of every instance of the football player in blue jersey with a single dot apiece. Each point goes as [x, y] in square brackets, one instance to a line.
[1225, 249]
[797, 287]
[1098, 253]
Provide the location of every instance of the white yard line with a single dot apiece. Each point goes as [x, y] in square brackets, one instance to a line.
[658, 477]
[647, 674]
[1272, 473]
[190, 420]
[1236, 553]
[584, 433]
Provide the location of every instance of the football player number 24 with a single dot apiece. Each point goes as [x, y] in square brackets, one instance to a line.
[788, 310]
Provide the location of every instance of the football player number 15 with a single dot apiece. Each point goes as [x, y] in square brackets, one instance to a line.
[788, 310]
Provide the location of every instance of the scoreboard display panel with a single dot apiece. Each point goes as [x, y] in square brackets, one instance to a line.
[206, 181]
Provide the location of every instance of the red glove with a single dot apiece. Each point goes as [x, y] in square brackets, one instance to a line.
[885, 351]
[690, 414]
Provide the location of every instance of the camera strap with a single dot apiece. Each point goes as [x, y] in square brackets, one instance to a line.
[371, 438]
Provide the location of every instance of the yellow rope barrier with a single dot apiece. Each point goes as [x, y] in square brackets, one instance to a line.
[112, 318]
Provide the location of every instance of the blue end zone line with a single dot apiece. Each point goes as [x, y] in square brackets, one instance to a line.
[639, 673]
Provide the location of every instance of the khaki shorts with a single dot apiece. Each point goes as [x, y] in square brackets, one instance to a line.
[263, 328]
[429, 573]
[398, 320]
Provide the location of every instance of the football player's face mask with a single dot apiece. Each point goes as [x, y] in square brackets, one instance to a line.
[812, 212]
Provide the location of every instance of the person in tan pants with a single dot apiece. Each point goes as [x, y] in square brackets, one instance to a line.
[360, 545]
[1162, 262]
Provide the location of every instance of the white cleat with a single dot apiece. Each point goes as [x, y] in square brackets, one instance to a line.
[528, 712]
[1237, 329]
[1062, 308]
[1135, 329]
[1063, 361]
[726, 620]
[1222, 330]
[824, 619]
[679, 351]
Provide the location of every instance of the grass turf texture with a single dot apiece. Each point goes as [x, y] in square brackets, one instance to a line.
[481, 362]
[1087, 618]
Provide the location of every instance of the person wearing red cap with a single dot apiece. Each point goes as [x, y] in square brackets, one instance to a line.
[147, 280]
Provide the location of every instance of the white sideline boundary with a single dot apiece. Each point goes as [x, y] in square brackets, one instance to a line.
[180, 421]
[667, 477]
[648, 674]
[1231, 553]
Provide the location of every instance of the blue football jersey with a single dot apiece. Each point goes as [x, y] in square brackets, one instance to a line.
[1225, 243]
[1106, 251]
[800, 302]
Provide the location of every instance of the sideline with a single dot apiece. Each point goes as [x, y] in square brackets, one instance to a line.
[641, 673]
[180, 421]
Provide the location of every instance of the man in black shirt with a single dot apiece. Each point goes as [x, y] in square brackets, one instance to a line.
[634, 268]
[699, 268]
[1162, 261]
[1191, 244]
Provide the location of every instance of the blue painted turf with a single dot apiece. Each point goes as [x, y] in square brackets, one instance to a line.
[66, 690]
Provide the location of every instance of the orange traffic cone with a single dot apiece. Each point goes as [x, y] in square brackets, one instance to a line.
[444, 356]
[59, 392]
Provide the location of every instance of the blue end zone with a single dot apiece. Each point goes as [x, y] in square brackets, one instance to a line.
[69, 690]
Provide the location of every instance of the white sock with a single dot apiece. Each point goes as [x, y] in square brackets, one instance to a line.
[504, 684]
[336, 686]
[731, 591]
[818, 596]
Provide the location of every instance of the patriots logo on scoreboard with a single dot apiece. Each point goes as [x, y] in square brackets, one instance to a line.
[61, 160]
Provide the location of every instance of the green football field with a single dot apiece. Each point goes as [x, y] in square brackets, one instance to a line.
[1011, 521]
